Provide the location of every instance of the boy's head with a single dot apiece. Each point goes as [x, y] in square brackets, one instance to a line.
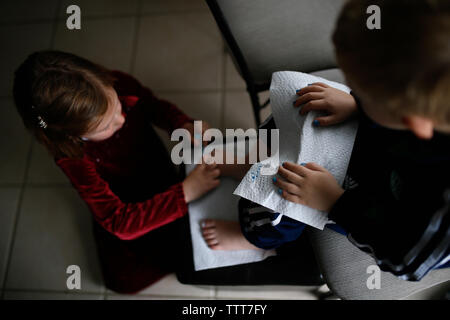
[64, 99]
[401, 72]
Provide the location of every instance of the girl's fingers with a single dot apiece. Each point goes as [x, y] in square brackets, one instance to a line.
[295, 168]
[215, 183]
[308, 97]
[289, 187]
[313, 105]
[215, 173]
[212, 165]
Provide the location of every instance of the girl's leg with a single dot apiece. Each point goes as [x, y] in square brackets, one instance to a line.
[128, 266]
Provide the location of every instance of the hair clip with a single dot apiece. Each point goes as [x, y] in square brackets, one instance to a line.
[42, 123]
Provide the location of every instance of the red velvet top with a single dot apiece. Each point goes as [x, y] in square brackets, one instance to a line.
[128, 180]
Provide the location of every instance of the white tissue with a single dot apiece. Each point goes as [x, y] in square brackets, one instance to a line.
[220, 203]
[300, 142]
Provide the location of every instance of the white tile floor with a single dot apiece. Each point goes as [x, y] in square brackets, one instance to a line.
[172, 46]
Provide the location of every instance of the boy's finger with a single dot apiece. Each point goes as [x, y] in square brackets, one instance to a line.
[290, 176]
[288, 186]
[320, 84]
[298, 170]
[325, 121]
[290, 197]
[313, 105]
[304, 90]
[308, 97]
[314, 166]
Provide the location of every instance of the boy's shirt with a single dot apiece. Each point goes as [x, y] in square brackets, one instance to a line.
[397, 198]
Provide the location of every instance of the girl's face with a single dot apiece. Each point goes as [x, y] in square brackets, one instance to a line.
[112, 120]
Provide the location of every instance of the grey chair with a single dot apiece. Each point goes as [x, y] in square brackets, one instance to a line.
[264, 36]
[344, 268]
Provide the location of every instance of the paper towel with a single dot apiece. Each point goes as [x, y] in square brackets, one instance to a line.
[299, 141]
[220, 203]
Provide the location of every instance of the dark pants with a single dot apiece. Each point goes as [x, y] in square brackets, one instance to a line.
[269, 230]
[131, 265]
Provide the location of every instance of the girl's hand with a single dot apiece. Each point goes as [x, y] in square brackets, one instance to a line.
[196, 140]
[320, 96]
[310, 185]
[200, 181]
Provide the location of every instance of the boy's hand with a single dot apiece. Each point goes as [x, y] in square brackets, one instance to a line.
[201, 180]
[310, 185]
[319, 96]
[196, 140]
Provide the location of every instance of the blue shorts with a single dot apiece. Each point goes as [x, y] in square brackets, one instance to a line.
[267, 229]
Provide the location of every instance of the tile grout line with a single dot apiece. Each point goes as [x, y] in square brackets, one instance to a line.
[161, 296]
[25, 177]
[137, 27]
[10, 185]
[175, 91]
[55, 25]
[16, 217]
[223, 86]
[79, 292]
[97, 17]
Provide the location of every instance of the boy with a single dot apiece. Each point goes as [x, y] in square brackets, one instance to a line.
[396, 196]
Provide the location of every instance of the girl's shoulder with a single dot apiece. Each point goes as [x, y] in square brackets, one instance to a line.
[127, 85]
[85, 160]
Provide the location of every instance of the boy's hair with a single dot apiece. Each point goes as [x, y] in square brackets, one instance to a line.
[404, 66]
[60, 97]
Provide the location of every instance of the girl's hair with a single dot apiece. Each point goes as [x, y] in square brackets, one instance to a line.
[405, 65]
[60, 97]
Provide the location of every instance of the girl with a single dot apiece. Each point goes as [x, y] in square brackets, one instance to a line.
[96, 124]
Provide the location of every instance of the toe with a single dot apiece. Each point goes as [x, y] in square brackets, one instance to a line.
[208, 223]
[209, 236]
[212, 242]
[208, 231]
[216, 247]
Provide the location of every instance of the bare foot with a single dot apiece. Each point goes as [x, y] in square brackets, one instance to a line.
[225, 235]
